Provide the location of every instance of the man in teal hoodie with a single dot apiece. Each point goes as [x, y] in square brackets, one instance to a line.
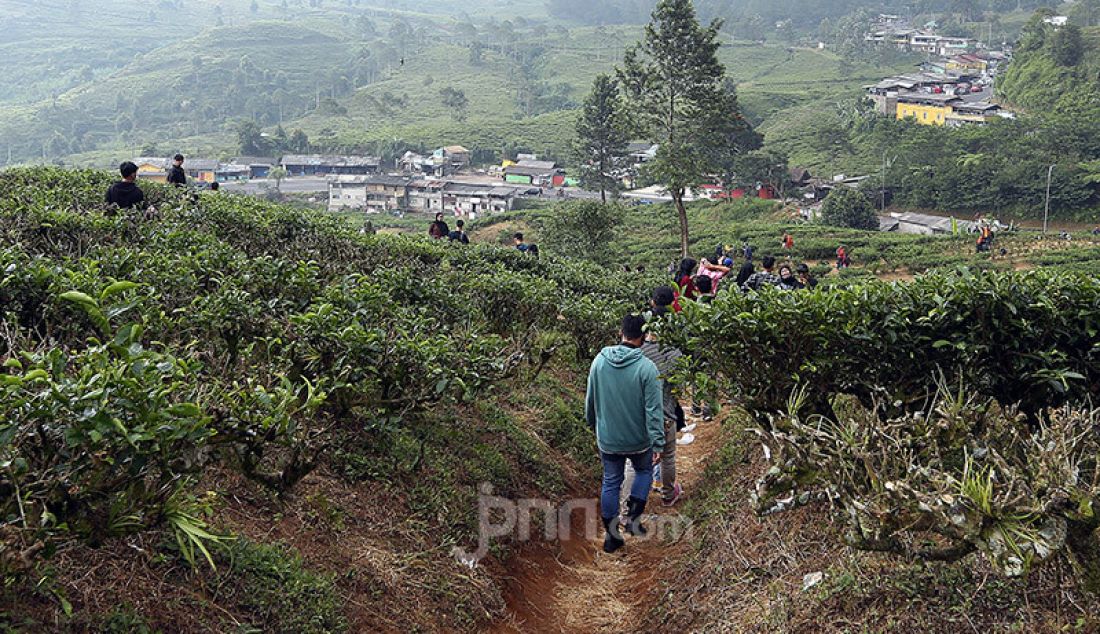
[624, 405]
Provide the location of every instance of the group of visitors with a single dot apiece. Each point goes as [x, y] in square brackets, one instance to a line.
[632, 407]
[522, 245]
[439, 230]
[702, 280]
[125, 194]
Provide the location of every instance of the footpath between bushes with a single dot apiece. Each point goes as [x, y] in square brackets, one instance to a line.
[572, 586]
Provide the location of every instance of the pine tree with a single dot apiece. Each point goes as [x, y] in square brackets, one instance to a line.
[601, 138]
[673, 80]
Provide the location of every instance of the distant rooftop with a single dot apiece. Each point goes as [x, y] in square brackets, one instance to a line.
[335, 161]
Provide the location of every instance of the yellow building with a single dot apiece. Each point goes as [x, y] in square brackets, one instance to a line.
[962, 63]
[152, 169]
[926, 109]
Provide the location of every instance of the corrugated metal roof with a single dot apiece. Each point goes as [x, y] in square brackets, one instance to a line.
[544, 165]
[338, 161]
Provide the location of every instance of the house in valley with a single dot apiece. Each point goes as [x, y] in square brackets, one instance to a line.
[318, 165]
[973, 113]
[258, 166]
[473, 200]
[374, 194]
[152, 168]
[926, 108]
[426, 196]
[457, 156]
[231, 172]
[925, 224]
[201, 170]
[537, 173]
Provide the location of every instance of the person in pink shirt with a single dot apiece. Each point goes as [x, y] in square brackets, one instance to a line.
[715, 271]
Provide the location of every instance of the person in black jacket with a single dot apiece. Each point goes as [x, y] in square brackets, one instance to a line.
[176, 176]
[747, 270]
[126, 194]
[459, 234]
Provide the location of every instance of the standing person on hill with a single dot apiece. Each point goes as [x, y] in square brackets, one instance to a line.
[685, 278]
[176, 175]
[663, 297]
[842, 259]
[747, 249]
[716, 272]
[459, 234]
[767, 277]
[788, 241]
[517, 240]
[624, 404]
[664, 358]
[664, 473]
[125, 194]
[439, 229]
[747, 270]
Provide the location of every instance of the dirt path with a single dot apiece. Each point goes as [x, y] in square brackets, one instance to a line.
[571, 586]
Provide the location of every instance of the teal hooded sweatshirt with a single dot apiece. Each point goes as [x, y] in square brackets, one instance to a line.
[624, 403]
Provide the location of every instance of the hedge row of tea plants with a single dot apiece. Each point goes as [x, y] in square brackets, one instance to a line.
[140, 348]
[939, 418]
[1028, 339]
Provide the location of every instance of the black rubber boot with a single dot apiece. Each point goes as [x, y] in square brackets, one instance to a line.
[634, 510]
[613, 539]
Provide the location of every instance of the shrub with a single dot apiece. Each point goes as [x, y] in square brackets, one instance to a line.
[845, 207]
[95, 442]
[1027, 339]
[965, 476]
[583, 229]
[272, 586]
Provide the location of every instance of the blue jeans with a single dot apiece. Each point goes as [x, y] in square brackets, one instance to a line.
[613, 470]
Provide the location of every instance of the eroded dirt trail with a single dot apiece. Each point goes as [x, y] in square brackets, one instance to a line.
[571, 586]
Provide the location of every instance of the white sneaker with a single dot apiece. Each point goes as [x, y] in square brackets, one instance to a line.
[686, 439]
[690, 427]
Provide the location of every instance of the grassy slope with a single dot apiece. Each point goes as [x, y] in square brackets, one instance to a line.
[48, 45]
[171, 98]
[777, 83]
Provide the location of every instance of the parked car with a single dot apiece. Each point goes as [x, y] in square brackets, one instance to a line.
[976, 89]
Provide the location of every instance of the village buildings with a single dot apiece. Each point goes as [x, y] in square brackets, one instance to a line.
[318, 165]
[388, 194]
[534, 172]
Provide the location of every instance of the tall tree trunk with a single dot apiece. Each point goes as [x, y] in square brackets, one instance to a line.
[678, 198]
[603, 193]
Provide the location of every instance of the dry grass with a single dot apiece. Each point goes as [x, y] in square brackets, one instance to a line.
[746, 575]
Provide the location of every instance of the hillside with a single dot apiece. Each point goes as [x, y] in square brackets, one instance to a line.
[220, 414]
[327, 402]
[647, 237]
[1038, 79]
[261, 70]
[50, 47]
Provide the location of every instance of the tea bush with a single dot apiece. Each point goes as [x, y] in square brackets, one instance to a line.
[1031, 339]
[141, 347]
